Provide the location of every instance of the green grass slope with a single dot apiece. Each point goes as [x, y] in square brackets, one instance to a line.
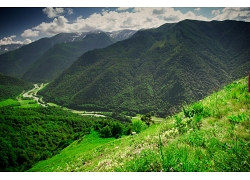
[209, 135]
[156, 69]
[11, 87]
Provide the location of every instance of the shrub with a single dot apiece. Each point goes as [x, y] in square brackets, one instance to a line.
[180, 125]
[147, 119]
[138, 125]
[197, 121]
[196, 138]
[116, 129]
[237, 119]
[196, 109]
[106, 132]
[120, 117]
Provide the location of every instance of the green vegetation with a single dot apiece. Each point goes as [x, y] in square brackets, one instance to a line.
[147, 119]
[156, 70]
[46, 58]
[209, 135]
[21, 103]
[33, 134]
[11, 87]
[58, 58]
[30, 133]
[16, 63]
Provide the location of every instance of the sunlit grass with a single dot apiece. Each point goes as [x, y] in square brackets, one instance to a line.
[210, 135]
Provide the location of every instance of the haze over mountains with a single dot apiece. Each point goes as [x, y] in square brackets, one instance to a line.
[46, 58]
[9, 47]
[156, 69]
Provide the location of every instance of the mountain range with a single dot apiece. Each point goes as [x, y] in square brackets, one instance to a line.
[156, 70]
[46, 58]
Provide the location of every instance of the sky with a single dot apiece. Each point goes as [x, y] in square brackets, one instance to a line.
[24, 25]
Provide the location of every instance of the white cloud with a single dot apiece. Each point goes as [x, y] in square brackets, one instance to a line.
[239, 14]
[10, 40]
[216, 12]
[30, 33]
[137, 18]
[58, 25]
[27, 41]
[123, 8]
[53, 12]
[70, 11]
[197, 9]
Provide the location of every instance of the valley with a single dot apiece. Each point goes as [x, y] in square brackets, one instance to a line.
[214, 139]
[171, 98]
[32, 94]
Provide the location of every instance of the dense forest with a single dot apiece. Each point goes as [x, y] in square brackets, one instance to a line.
[11, 87]
[156, 70]
[29, 135]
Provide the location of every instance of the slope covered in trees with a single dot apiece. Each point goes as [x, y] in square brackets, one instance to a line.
[16, 63]
[58, 58]
[44, 59]
[11, 87]
[156, 70]
[32, 134]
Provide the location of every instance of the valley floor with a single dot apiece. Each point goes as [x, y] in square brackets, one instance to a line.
[210, 135]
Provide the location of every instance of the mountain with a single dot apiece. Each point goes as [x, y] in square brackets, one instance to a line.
[16, 63]
[62, 55]
[121, 34]
[157, 69]
[20, 62]
[11, 87]
[9, 47]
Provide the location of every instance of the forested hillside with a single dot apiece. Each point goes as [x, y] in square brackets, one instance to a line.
[16, 63]
[44, 59]
[11, 87]
[29, 134]
[156, 70]
[58, 58]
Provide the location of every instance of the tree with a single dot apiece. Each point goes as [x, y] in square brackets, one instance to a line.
[147, 119]
[106, 132]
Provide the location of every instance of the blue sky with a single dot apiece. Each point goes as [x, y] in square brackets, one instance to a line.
[18, 25]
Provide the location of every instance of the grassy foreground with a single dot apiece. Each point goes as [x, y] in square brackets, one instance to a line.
[209, 135]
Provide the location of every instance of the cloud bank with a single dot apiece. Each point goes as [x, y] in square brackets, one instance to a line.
[55, 12]
[126, 18]
[135, 19]
[123, 18]
[10, 40]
